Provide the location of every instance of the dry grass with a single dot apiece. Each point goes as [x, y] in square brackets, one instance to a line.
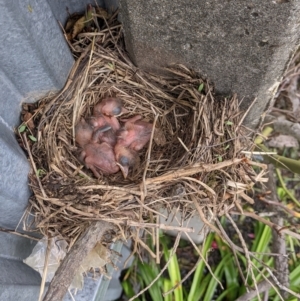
[197, 145]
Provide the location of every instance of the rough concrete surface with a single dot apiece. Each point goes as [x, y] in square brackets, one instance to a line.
[242, 46]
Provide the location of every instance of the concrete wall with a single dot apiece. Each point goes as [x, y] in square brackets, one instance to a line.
[242, 46]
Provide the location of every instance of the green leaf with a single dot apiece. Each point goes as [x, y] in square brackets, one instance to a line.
[264, 240]
[32, 138]
[167, 286]
[199, 284]
[228, 292]
[128, 289]
[201, 288]
[219, 271]
[148, 276]
[200, 88]
[220, 159]
[281, 193]
[228, 122]
[295, 276]
[231, 272]
[226, 147]
[22, 128]
[40, 172]
[174, 273]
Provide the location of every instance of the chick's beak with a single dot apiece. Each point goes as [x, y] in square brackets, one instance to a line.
[124, 170]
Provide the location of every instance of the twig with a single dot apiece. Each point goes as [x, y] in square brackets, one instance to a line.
[184, 278]
[231, 244]
[82, 247]
[70, 208]
[245, 114]
[282, 287]
[266, 222]
[234, 248]
[144, 185]
[145, 246]
[183, 145]
[203, 217]
[162, 270]
[278, 173]
[34, 166]
[261, 287]
[279, 241]
[205, 261]
[149, 225]
[45, 271]
[246, 252]
[110, 187]
[176, 175]
[18, 233]
[277, 204]
[157, 241]
[267, 279]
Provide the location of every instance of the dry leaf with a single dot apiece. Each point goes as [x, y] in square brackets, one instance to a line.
[71, 22]
[78, 27]
[102, 13]
[97, 258]
[27, 117]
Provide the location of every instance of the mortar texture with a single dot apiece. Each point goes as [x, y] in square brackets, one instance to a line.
[242, 46]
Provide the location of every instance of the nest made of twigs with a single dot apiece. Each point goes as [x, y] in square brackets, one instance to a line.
[197, 145]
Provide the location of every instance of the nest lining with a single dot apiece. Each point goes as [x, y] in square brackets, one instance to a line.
[194, 161]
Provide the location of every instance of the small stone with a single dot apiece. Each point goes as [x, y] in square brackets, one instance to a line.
[187, 46]
[282, 141]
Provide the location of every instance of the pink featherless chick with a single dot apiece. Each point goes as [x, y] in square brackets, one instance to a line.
[110, 108]
[100, 158]
[126, 158]
[135, 133]
[108, 136]
[83, 132]
[131, 138]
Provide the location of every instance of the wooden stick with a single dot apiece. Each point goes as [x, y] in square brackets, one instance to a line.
[191, 171]
[66, 271]
[45, 271]
[161, 226]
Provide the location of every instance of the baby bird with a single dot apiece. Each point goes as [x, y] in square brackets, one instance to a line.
[99, 157]
[98, 122]
[110, 106]
[135, 133]
[83, 132]
[108, 136]
[126, 158]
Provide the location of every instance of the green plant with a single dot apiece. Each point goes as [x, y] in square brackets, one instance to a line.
[204, 284]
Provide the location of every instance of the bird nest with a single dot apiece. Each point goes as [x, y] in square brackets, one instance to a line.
[197, 146]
